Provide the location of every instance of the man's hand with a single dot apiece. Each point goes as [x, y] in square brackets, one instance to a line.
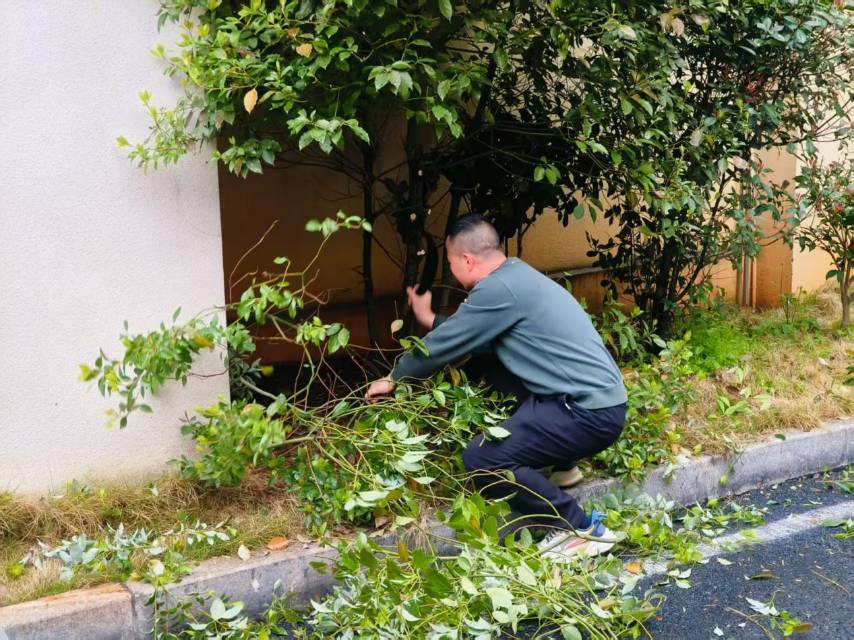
[380, 387]
[422, 306]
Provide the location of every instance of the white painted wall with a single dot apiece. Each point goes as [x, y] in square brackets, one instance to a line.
[88, 241]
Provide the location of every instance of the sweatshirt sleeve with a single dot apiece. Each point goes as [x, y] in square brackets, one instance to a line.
[489, 311]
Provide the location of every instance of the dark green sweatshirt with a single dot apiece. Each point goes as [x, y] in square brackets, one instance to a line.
[535, 328]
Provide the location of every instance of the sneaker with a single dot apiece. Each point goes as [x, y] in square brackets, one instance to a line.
[562, 545]
[566, 479]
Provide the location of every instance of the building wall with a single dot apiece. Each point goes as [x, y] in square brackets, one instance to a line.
[810, 267]
[89, 241]
[774, 263]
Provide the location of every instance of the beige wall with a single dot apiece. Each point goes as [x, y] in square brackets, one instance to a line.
[774, 264]
[89, 241]
[810, 267]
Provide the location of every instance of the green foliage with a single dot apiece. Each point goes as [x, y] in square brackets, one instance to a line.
[150, 360]
[349, 462]
[779, 619]
[724, 81]
[625, 333]
[211, 616]
[846, 525]
[656, 527]
[717, 341]
[656, 391]
[158, 559]
[488, 590]
[829, 195]
[524, 107]
[231, 439]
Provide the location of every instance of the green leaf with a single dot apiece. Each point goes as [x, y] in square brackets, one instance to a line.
[468, 586]
[498, 432]
[570, 632]
[406, 615]
[526, 576]
[625, 105]
[446, 9]
[372, 496]
[832, 522]
[360, 133]
[217, 609]
[443, 88]
[381, 80]
[501, 598]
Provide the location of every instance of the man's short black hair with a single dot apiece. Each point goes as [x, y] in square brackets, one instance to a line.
[474, 234]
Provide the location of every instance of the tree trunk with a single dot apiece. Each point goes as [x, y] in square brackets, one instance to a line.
[453, 214]
[368, 246]
[660, 312]
[413, 216]
[846, 297]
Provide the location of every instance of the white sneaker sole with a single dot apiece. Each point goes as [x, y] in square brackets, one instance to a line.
[566, 479]
[589, 549]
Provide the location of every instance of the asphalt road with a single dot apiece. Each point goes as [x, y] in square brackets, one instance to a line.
[801, 570]
[802, 567]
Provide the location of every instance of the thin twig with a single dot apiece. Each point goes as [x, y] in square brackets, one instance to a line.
[831, 581]
[750, 618]
[248, 251]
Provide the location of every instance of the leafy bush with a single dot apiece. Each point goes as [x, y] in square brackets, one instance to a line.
[347, 461]
[626, 334]
[656, 391]
[829, 194]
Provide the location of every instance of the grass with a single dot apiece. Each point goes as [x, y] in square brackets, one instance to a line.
[761, 372]
[255, 511]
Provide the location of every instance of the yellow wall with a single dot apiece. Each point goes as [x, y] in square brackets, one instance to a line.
[810, 267]
[774, 264]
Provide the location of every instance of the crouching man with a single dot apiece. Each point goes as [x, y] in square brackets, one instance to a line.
[571, 396]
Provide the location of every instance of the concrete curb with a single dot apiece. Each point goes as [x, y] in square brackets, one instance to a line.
[100, 613]
[121, 612]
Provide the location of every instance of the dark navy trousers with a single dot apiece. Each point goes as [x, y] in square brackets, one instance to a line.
[544, 431]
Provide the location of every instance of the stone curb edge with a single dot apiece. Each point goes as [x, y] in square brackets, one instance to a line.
[121, 612]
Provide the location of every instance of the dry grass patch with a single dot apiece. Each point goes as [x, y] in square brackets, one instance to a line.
[783, 369]
[255, 512]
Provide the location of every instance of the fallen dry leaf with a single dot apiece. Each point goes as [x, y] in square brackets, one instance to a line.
[278, 543]
[634, 567]
[305, 50]
[243, 553]
[250, 100]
